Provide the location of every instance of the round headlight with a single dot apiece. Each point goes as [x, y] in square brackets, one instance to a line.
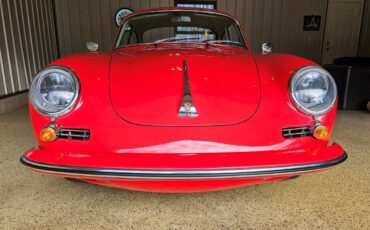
[313, 90]
[54, 91]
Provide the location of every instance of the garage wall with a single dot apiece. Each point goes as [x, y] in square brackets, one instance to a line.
[364, 47]
[93, 21]
[277, 21]
[27, 42]
[280, 22]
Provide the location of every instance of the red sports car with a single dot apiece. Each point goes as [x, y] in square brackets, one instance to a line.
[181, 104]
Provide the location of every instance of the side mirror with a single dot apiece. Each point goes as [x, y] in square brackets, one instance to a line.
[92, 46]
[266, 48]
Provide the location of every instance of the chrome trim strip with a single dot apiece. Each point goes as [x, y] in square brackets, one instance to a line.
[182, 174]
[187, 108]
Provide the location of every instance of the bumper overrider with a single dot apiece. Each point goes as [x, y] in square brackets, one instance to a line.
[184, 173]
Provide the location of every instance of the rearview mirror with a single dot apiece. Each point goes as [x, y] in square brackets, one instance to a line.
[266, 48]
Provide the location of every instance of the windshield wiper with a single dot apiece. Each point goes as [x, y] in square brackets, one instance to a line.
[223, 42]
[175, 39]
[172, 39]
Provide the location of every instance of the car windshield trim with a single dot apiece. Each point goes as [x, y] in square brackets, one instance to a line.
[210, 13]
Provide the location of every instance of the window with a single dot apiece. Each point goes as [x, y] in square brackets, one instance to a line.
[191, 31]
[196, 4]
[231, 33]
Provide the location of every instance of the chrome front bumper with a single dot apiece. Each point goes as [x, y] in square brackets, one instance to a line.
[73, 171]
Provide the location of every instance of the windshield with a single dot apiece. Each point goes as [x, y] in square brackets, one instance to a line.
[180, 26]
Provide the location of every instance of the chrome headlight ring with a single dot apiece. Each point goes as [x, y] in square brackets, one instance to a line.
[54, 91]
[313, 90]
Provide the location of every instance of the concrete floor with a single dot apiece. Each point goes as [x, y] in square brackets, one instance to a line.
[335, 199]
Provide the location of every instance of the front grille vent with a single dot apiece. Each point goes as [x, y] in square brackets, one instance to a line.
[297, 132]
[74, 134]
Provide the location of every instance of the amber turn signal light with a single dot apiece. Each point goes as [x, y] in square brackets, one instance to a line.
[321, 133]
[48, 134]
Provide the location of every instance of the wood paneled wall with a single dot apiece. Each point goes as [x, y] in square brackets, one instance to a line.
[276, 21]
[364, 47]
[80, 21]
[27, 42]
[280, 22]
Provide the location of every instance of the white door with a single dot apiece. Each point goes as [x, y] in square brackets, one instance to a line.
[342, 32]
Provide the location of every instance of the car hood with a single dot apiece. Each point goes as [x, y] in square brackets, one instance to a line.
[149, 86]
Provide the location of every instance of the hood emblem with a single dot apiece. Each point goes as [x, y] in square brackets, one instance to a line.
[187, 108]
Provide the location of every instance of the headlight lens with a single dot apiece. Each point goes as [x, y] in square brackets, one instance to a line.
[54, 91]
[313, 90]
